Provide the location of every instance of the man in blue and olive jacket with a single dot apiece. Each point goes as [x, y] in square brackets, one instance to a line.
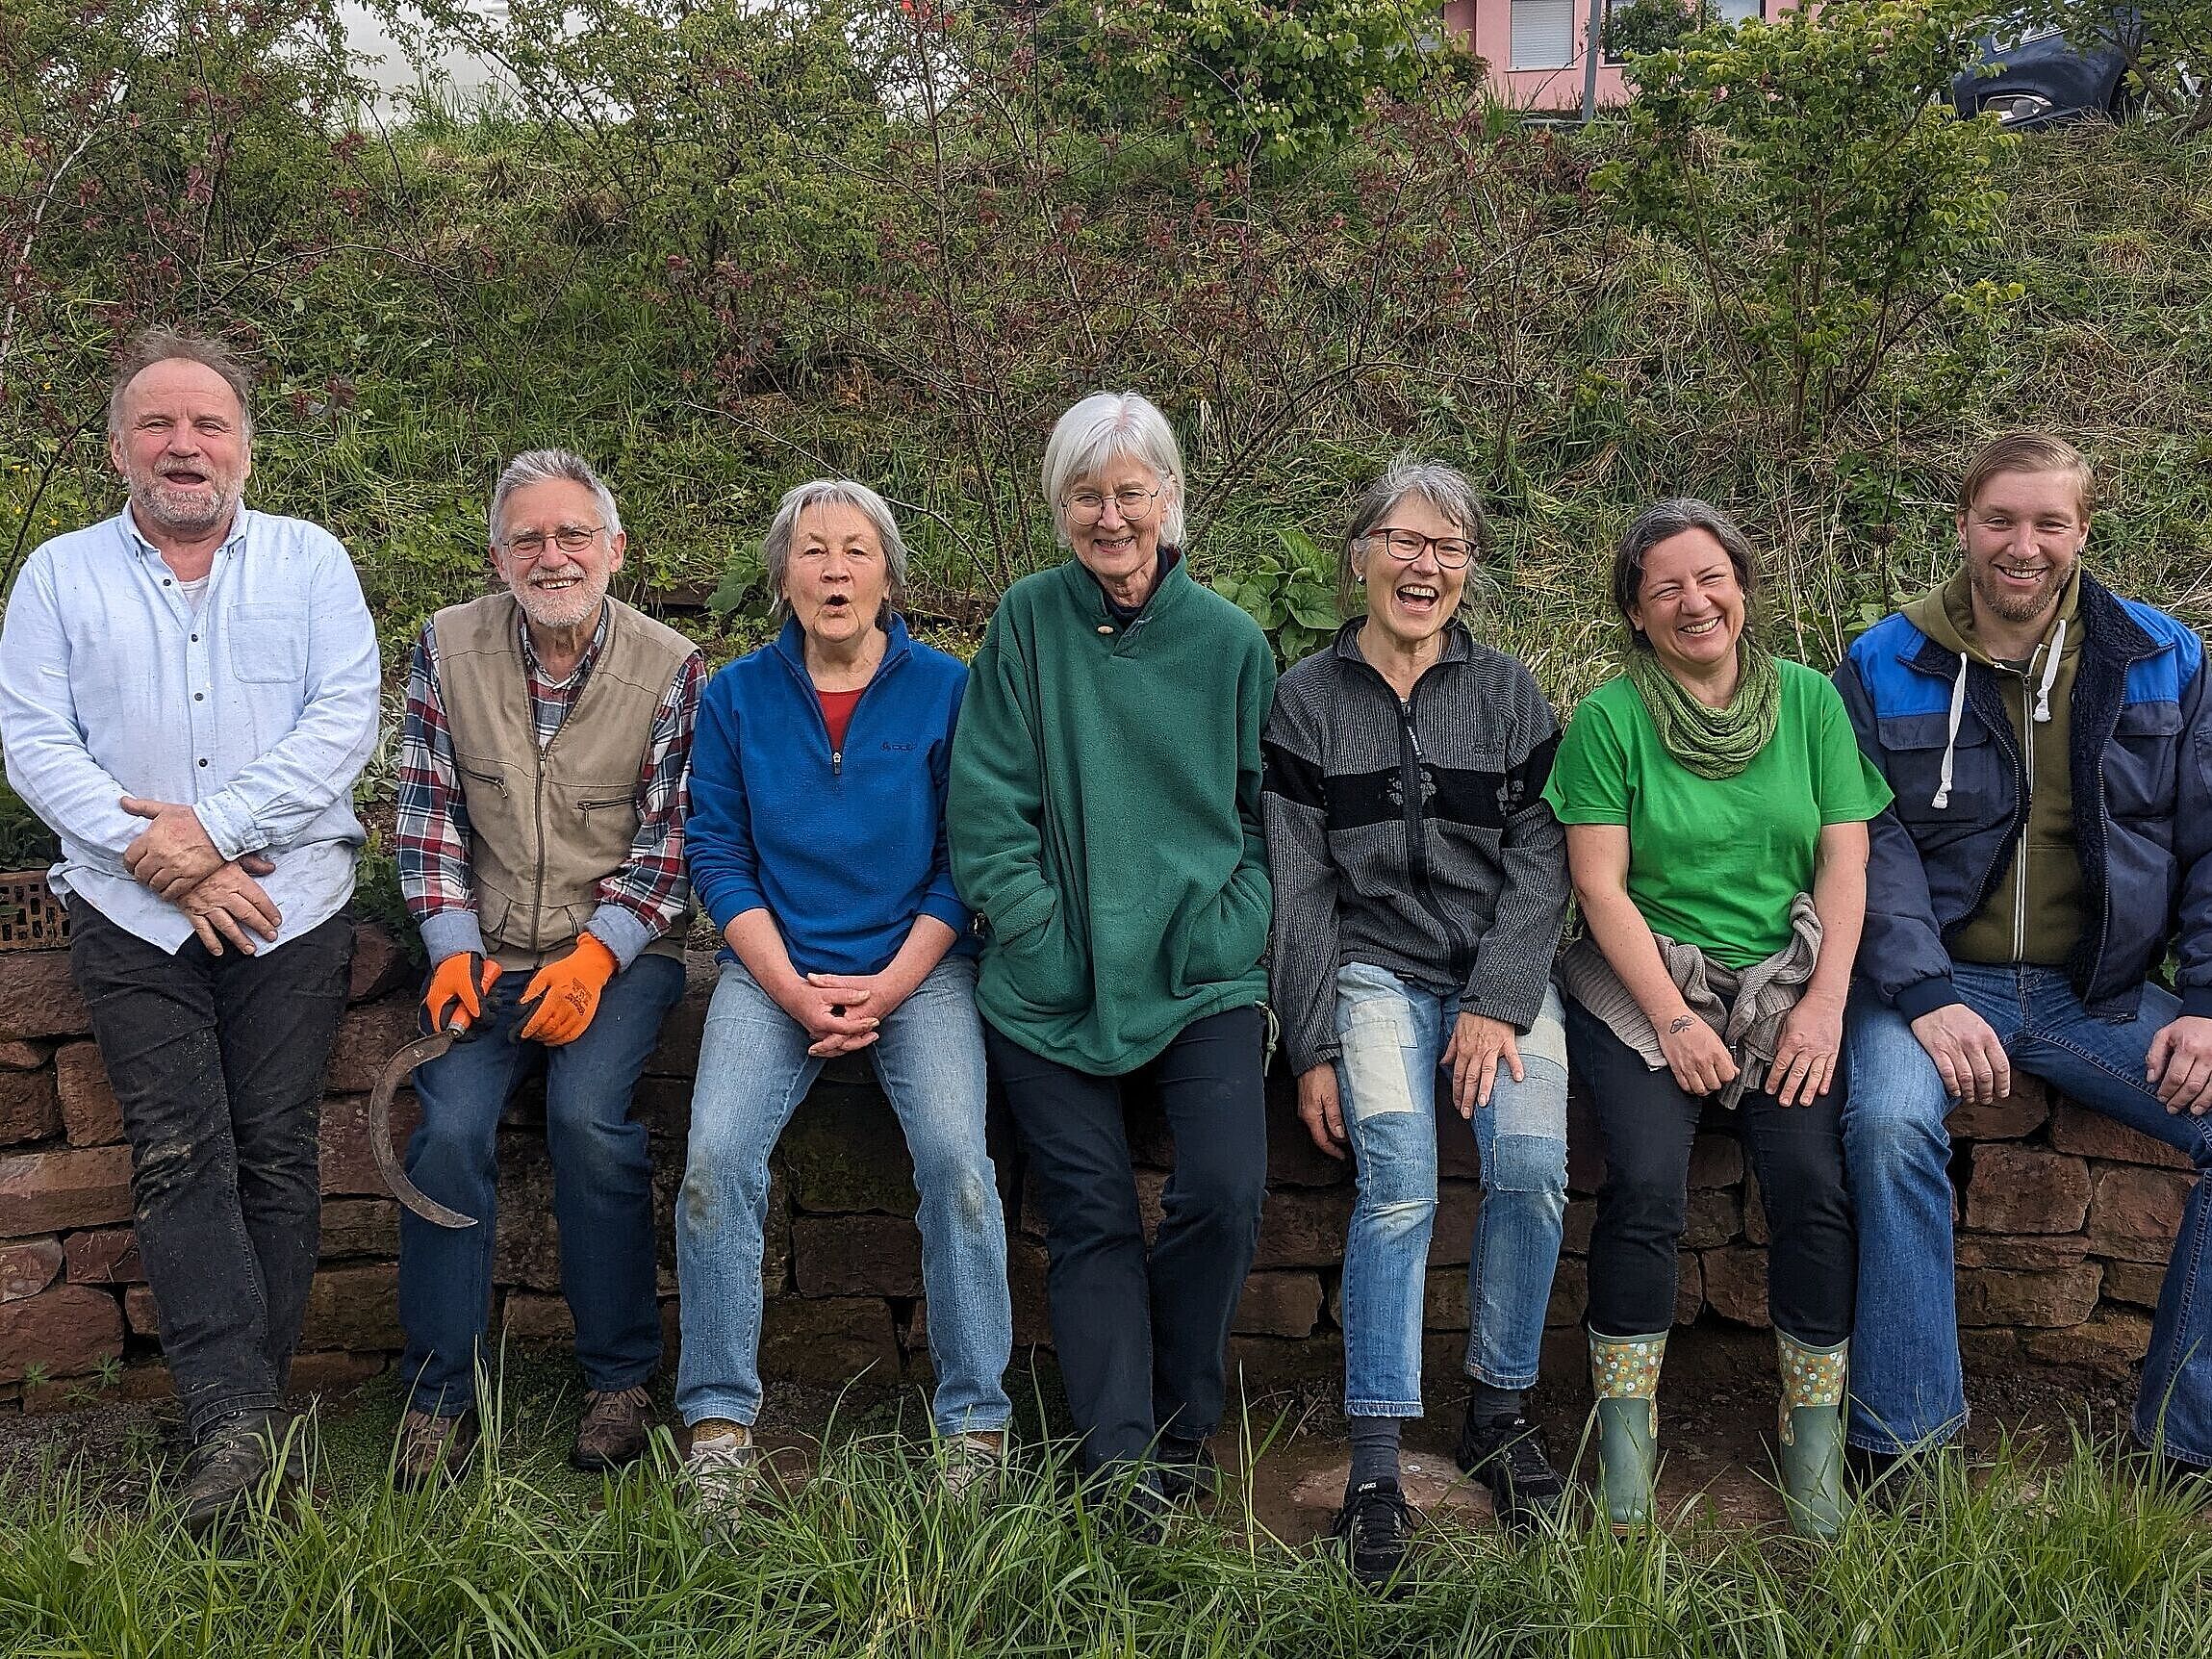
[2050, 747]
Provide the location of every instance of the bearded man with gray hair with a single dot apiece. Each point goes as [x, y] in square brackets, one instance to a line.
[186, 694]
[541, 851]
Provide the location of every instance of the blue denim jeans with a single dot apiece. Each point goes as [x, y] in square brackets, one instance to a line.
[602, 1187]
[753, 1070]
[1394, 1037]
[1906, 1387]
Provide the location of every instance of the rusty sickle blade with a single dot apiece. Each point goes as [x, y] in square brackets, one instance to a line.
[396, 1071]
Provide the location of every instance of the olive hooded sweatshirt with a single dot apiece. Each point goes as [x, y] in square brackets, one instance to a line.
[2033, 912]
[1104, 815]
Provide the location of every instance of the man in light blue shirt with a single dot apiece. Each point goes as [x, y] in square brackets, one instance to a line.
[186, 694]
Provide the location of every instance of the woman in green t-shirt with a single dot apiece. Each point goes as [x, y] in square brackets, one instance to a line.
[1716, 807]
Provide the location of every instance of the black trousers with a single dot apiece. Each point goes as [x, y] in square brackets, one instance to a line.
[1142, 1338]
[1649, 1126]
[217, 1064]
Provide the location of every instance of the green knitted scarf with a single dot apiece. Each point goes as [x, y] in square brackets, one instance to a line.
[1711, 742]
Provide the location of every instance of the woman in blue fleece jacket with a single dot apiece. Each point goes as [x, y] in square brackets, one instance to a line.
[816, 840]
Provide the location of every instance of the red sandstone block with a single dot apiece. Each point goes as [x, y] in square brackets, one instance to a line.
[1716, 1160]
[28, 1267]
[2051, 1297]
[48, 1192]
[2089, 1134]
[331, 1371]
[37, 999]
[65, 1331]
[2018, 1254]
[104, 1256]
[2136, 1212]
[1714, 1217]
[828, 1341]
[360, 1227]
[2021, 1113]
[1278, 1304]
[379, 964]
[368, 1036]
[139, 1311]
[29, 1110]
[1451, 1237]
[349, 1166]
[537, 1320]
[138, 1383]
[1569, 1294]
[856, 1256]
[2107, 1345]
[1575, 1228]
[1736, 1284]
[353, 1307]
[89, 1108]
[1260, 1365]
[1688, 1288]
[2025, 1189]
[19, 1056]
[2135, 1283]
[1303, 1227]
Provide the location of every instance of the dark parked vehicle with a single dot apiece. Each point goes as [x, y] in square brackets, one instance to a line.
[2041, 78]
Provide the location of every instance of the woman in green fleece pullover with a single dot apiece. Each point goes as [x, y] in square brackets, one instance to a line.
[1103, 822]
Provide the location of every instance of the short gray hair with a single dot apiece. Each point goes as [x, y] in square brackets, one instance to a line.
[542, 467]
[783, 530]
[1445, 488]
[1662, 522]
[161, 344]
[1108, 426]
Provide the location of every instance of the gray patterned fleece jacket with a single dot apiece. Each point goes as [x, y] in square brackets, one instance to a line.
[1412, 835]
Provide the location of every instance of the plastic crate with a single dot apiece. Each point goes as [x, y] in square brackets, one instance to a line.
[31, 917]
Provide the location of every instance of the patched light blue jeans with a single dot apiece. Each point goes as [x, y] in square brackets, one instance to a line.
[1906, 1389]
[1393, 1037]
[753, 1070]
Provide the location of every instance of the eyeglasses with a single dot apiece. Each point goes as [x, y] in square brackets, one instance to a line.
[568, 538]
[1404, 546]
[1086, 507]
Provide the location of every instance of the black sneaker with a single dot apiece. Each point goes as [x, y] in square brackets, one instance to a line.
[225, 1466]
[1509, 1459]
[1188, 1470]
[1876, 1479]
[1144, 1511]
[1373, 1527]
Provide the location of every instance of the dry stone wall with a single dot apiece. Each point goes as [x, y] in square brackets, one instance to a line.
[2066, 1220]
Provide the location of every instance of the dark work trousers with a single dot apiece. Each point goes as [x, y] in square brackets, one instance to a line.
[217, 1064]
[1649, 1126]
[1142, 1338]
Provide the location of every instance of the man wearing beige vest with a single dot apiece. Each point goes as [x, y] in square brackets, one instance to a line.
[541, 850]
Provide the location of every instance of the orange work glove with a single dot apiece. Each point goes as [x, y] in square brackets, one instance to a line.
[562, 996]
[453, 999]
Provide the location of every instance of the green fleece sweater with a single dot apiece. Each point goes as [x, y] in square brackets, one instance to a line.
[2033, 913]
[1104, 816]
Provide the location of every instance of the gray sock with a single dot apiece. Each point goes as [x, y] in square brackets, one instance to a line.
[1374, 1450]
[1491, 1407]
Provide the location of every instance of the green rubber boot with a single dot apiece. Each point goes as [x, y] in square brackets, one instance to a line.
[1812, 1434]
[1624, 1375]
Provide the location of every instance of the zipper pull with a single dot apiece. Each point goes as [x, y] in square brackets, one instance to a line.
[837, 764]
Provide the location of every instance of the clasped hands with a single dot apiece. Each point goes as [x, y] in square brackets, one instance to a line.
[842, 1011]
[175, 859]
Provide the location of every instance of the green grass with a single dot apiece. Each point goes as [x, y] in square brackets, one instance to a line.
[2071, 1557]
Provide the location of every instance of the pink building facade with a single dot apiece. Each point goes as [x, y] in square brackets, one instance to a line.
[1536, 49]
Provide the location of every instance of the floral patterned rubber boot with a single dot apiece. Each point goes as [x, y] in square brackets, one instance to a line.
[1624, 1375]
[1812, 1434]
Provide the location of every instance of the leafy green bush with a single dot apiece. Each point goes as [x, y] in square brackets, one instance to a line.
[1259, 79]
[1813, 169]
[1291, 593]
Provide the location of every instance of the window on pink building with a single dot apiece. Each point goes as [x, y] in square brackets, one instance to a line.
[1543, 34]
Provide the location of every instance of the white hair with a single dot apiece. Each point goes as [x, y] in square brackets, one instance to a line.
[1104, 427]
[542, 467]
[783, 530]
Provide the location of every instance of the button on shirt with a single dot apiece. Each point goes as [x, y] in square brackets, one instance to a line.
[257, 707]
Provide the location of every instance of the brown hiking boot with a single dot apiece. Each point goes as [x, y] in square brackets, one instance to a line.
[615, 1429]
[433, 1448]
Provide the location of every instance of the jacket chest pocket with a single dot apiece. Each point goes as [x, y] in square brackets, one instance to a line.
[1980, 789]
[268, 643]
[2142, 761]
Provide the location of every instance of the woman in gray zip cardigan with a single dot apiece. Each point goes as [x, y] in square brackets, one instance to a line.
[1420, 884]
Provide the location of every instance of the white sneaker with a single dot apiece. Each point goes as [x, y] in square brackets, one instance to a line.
[971, 1462]
[723, 1469]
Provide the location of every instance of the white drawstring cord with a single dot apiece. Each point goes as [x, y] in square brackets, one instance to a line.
[1943, 794]
[2056, 647]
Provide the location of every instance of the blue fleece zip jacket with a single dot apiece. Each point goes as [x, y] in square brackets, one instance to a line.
[843, 848]
[2139, 756]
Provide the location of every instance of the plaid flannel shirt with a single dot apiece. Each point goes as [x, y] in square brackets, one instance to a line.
[637, 904]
